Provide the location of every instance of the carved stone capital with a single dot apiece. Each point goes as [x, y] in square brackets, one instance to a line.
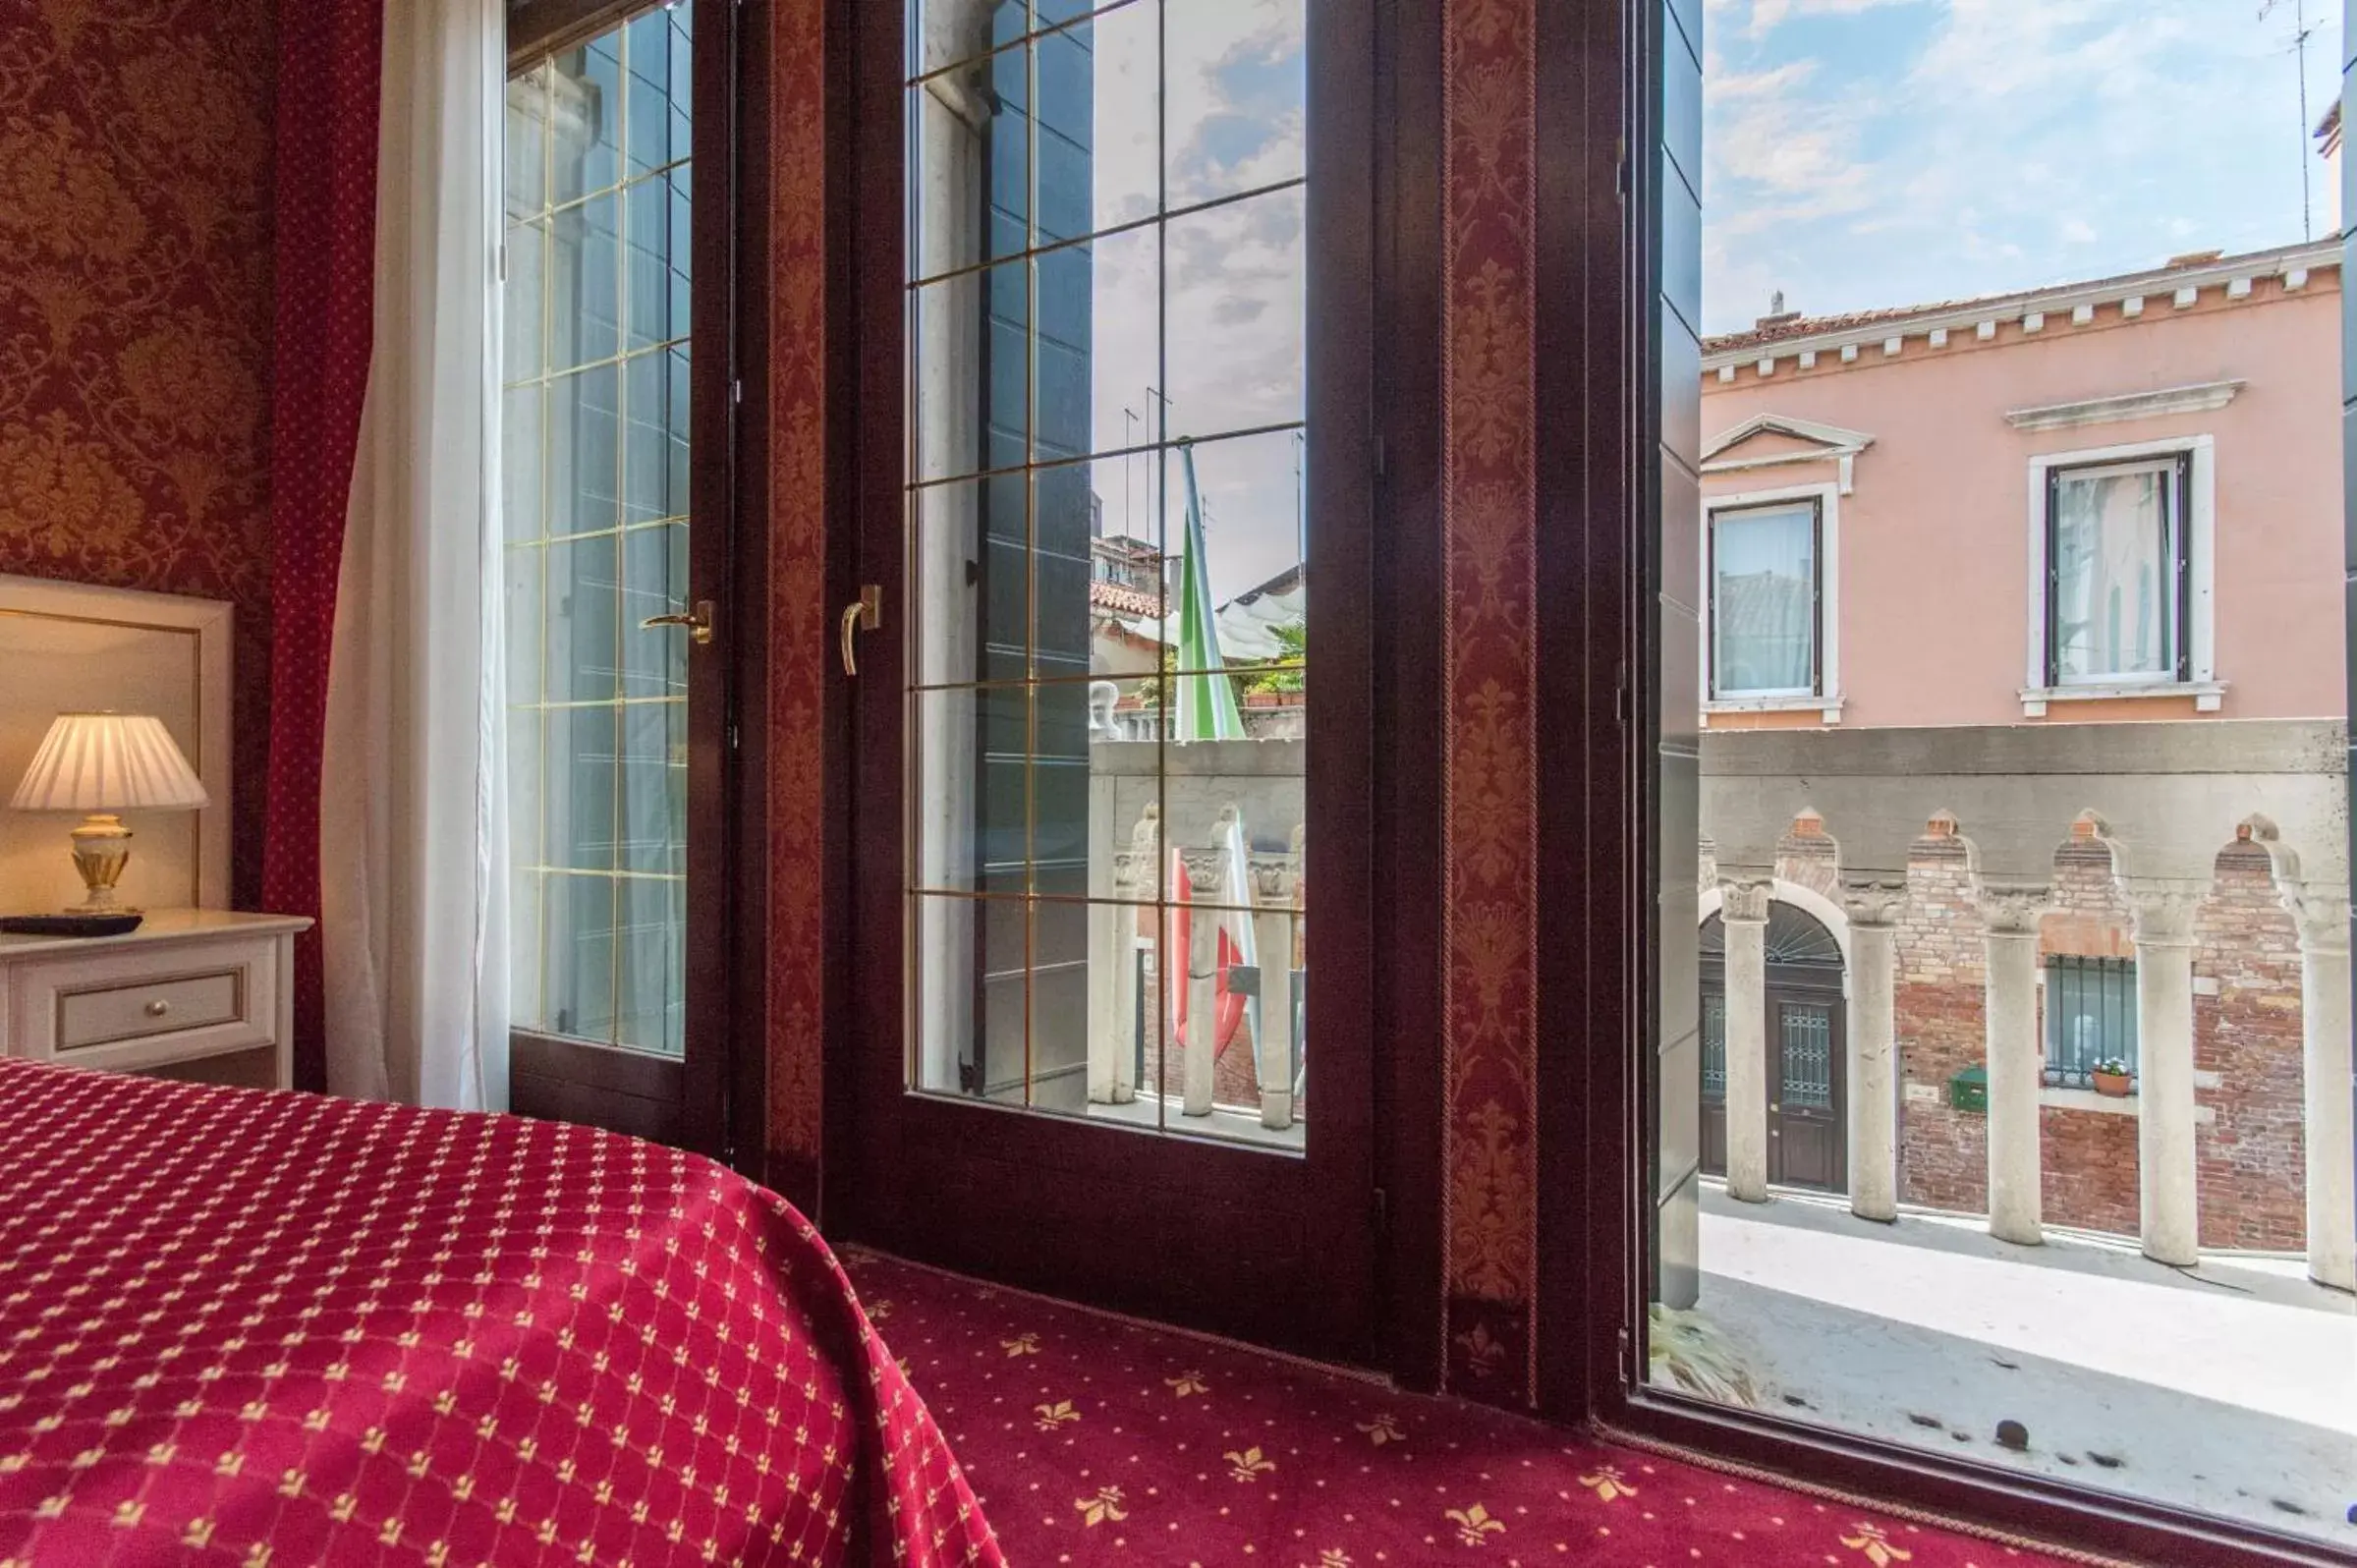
[1746, 900]
[2008, 911]
[2162, 909]
[1873, 903]
[2321, 910]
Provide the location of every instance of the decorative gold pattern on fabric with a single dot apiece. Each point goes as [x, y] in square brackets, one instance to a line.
[1489, 676]
[136, 311]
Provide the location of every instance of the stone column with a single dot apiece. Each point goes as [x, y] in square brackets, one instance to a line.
[2323, 916]
[1113, 1051]
[1873, 909]
[1203, 981]
[1743, 910]
[2167, 1194]
[2009, 918]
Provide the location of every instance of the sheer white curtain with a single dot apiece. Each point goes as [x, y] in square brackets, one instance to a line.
[413, 812]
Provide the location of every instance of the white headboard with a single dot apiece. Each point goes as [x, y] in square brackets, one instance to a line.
[67, 647]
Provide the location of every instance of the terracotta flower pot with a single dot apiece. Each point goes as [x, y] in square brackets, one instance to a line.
[2115, 1084]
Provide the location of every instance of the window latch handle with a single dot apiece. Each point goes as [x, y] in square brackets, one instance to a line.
[862, 614]
[698, 621]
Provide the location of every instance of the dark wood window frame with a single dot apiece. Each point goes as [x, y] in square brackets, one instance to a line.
[2180, 500]
[535, 27]
[708, 1100]
[1603, 867]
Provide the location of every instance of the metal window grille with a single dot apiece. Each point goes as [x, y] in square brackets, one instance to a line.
[1715, 1047]
[1808, 1057]
[2089, 1017]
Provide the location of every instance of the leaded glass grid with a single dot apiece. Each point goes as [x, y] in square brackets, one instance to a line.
[595, 411]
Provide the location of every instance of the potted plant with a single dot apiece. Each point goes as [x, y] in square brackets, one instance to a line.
[2113, 1076]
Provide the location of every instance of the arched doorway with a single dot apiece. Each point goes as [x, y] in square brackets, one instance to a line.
[1808, 1136]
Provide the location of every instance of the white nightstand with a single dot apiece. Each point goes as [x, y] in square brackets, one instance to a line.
[196, 993]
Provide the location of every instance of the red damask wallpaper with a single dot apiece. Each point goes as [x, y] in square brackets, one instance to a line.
[1490, 831]
[798, 629]
[134, 315]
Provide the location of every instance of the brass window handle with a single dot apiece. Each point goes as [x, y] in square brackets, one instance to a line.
[698, 621]
[862, 614]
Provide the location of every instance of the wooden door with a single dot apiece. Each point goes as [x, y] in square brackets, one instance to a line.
[1807, 1130]
[616, 519]
[1110, 425]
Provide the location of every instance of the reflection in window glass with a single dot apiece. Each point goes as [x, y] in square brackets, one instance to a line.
[595, 407]
[2115, 567]
[2001, 1080]
[1107, 538]
[1764, 600]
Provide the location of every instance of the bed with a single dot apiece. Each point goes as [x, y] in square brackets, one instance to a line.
[272, 1328]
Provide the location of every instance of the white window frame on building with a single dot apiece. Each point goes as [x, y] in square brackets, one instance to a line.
[1823, 695]
[2199, 677]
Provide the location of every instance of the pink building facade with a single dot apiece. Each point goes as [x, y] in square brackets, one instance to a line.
[1927, 462]
[2023, 728]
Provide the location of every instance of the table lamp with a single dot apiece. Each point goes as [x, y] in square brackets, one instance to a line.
[99, 764]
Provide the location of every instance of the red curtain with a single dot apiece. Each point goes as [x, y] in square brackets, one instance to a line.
[329, 55]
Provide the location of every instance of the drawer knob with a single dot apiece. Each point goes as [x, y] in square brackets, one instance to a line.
[158, 1008]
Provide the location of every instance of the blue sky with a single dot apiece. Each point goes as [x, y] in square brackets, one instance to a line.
[1860, 153]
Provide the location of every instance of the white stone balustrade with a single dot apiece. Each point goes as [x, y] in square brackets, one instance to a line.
[1230, 886]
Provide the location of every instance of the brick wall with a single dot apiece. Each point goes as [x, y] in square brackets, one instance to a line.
[1944, 1154]
[2087, 1159]
[2251, 1175]
[2253, 1170]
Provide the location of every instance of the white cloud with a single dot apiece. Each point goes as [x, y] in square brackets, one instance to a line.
[1966, 147]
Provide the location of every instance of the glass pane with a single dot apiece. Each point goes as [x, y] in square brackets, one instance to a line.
[578, 982]
[1999, 923]
[650, 971]
[1237, 81]
[1236, 298]
[1107, 636]
[594, 497]
[524, 451]
[970, 372]
[2116, 601]
[1103, 302]
[528, 110]
[585, 296]
[1808, 1058]
[1764, 600]
[654, 440]
[526, 296]
[654, 117]
[1116, 57]
[584, 451]
[585, 113]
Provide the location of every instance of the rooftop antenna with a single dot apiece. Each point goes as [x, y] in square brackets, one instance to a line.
[2301, 32]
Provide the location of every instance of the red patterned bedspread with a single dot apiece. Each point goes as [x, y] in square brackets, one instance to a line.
[274, 1329]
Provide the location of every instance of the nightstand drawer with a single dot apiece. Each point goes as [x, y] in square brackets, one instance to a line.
[133, 1004]
[169, 1004]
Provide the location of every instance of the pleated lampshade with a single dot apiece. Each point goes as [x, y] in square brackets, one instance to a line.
[108, 762]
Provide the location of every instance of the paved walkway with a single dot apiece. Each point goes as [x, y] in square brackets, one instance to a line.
[2232, 1387]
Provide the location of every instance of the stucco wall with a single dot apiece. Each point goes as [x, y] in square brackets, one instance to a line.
[1933, 562]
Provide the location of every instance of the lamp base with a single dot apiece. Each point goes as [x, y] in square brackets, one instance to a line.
[101, 849]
